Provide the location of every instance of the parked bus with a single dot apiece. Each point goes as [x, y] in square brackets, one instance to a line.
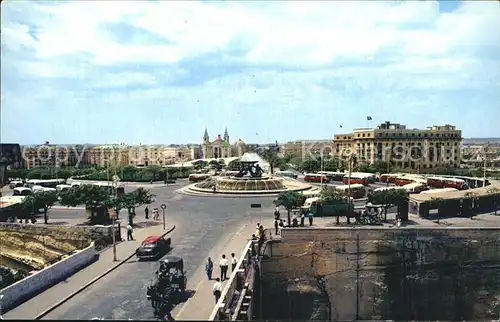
[314, 177]
[62, 187]
[50, 183]
[415, 187]
[360, 178]
[388, 188]
[388, 177]
[288, 174]
[334, 176]
[405, 179]
[42, 189]
[434, 191]
[443, 182]
[16, 184]
[357, 190]
[22, 191]
[197, 177]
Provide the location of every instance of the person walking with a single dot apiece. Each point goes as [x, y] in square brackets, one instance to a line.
[234, 261]
[209, 267]
[217, 289]
[276, 226]
[310, 216]
[223, 268]
[129, 232]
[146, 212]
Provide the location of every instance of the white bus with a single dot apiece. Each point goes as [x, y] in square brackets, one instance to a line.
[16, 183]
[50, 183]
[357, 190]
[62, 187]
[22, 191]
[42, 189]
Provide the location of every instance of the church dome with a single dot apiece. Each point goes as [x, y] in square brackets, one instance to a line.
[240, 143]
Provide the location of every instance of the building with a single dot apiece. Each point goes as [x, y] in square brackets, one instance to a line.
[304, 148]
[221, 147]
[435, 146]
[55, 155]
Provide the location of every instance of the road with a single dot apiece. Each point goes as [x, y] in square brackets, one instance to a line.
[200, 223]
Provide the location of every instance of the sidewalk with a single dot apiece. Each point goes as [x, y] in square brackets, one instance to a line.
[35, 306]
[200, 306]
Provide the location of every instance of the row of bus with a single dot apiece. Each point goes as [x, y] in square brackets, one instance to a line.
[30, 188]
[327, 176]
[49, 183]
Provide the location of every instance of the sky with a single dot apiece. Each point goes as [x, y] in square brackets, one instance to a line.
[160, 72]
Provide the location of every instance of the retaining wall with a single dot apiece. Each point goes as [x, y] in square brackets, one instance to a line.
[420, 273]
[33, 285]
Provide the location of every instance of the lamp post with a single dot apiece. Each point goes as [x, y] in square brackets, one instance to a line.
[349, 181]
[163, 207]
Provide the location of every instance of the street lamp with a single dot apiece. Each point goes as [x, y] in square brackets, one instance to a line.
[163, 207]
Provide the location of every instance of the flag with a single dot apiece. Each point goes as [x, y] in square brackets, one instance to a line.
[340, 126]
[368, 118]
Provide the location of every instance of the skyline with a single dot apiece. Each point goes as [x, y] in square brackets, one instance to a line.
[107, 72]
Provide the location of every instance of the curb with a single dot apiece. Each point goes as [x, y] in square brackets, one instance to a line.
[83, 288]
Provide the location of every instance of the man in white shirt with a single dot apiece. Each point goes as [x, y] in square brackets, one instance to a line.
[223, 268]
[234, 261]
[217, 289]
[129, 232]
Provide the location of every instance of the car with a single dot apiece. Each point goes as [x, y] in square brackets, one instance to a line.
[153, 247]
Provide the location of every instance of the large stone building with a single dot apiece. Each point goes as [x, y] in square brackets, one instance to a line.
[55, 155]
[304, 148]
[221, 147]
[435, 146]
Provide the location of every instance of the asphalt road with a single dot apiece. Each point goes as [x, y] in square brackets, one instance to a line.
[200, 223]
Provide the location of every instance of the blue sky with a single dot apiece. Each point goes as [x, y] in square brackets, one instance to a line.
[160, 72]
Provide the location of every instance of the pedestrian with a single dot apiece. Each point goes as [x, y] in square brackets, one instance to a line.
[277, 213]
[276, 226]
[310, 216]
[209, 267]
[217, 289]
[234, 261]
[146, 212]
[129, 232]
[223, 268]
[302, 219]
[261, 231]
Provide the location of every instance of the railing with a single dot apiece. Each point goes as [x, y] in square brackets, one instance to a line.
[231, 297]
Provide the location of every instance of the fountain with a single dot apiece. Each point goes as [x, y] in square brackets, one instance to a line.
[250, 180]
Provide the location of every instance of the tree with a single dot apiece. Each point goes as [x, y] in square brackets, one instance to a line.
[134, 199]
[95, 198]
[331, 196]
[199, 164]
[271, 156]
[45, 200]
[331, 164]
[387, 198]
[289, 200]
[310, 165]
[154, 170]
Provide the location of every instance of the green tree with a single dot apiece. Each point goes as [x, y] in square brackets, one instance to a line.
[331, 164]
[134, 199]
[331, 196]
[387, 198]
[95, 198]
[199, 164]
[154, 170]
[9, 277]
[289, 200]
[271, 156]
[128, 173]
[45, 200]
[310, 165]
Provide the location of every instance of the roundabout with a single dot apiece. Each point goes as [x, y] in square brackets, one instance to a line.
[249, 181]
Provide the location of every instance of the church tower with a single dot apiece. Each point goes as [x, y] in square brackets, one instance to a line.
[226, 136]
[206, 138]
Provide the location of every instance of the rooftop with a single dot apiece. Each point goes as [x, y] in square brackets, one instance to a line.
[450, 195]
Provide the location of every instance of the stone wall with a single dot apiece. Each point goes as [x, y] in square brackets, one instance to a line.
[385, 273]
[25, 289]
[37, 245]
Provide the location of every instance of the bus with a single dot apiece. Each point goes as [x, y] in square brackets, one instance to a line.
[388, 177]
[433, 191]
[62, 187]
[42, 189]
[334, 176]
[315, 177]
[443, 182]
[50, 183]
[197, 177]
[415, 187]
[288, 174]
[357, 190]
[405, 179]
[360, 178]
[22, 191]
[16, 184]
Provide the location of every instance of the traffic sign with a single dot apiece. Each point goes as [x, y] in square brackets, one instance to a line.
[163, 206]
